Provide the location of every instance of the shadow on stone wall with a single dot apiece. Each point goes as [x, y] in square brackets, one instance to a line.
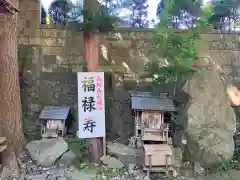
[60, 89]
[50, 56]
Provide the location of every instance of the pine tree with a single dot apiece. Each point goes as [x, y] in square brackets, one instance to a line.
[139, 14]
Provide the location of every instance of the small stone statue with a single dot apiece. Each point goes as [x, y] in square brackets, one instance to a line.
[139, 143]
[169, 141]
[184, 140]
[132, 142]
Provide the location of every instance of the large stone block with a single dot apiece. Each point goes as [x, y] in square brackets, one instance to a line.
[32, 32]
[54, 50]
[139, 35]
[34, 5]
[209, 36]
[24, 40]
[223, 45]
[49, 59]
[35, 41]
[76, 41]
[46, 151]
[75, 59]
[53, 41]
[223, 57]
[53, 33]
[21, 22]
[77, 50]
[209, 119]
[33, 16]
[120, 43]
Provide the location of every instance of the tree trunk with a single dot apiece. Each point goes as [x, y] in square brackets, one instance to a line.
[91, 56]
[10, 103]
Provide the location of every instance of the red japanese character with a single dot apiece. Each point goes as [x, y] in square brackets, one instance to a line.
[99, 90]
[99, 95]
[100, 108]
[99, 83]
[99, 78]
[99, 102]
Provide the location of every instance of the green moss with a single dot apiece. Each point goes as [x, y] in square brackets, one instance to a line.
[234, 163]
[77, 146]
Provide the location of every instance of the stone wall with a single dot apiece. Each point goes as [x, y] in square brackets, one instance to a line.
[49, 57]
[126, 51]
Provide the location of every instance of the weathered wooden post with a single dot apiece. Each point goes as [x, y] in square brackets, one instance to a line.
[10, 106]
[91, 56]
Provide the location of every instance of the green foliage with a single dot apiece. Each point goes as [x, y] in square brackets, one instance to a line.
[176, 52]
[191, 6]
[24, 55]
[184, 12]
[237, 112]
[58, 11]
[223, 9]
[234, 163]
[104, 173]
[204, 20]
[109, 174]
[77, 146]
[100, 21]
[176, 55]
[83, 64]
[192, 12]
[75, 114]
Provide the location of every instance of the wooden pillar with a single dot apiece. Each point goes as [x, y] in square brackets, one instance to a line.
[91, 56]
[91, 40]
[10, 101]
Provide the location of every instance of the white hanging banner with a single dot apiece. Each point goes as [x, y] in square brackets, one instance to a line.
[91, 105]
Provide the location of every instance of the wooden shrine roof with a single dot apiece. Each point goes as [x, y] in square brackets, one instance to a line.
[145, 101]
[54, 113]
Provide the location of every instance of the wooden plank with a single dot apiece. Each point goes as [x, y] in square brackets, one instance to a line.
[158, 154]
[158, 168]
[152, 136]
[104, 146]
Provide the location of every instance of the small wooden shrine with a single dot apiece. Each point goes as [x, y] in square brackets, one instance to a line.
[54, 121]
[151, 118]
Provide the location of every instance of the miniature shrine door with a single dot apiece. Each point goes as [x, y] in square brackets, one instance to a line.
[152, 120]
